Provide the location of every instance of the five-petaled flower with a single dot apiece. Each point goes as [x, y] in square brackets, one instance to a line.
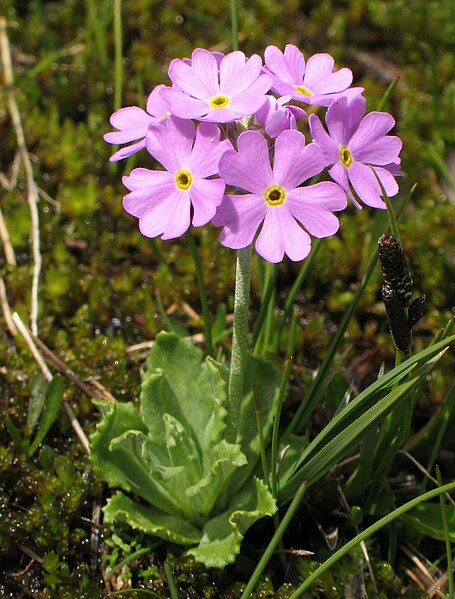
[275, 200]
[133, 124]
[359, 149]
[214, 89]
[313, 82]
[167, 202]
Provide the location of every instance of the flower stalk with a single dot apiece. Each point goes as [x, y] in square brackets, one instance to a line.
[239, 339]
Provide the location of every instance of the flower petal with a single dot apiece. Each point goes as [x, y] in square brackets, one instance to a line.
[339, 173]
[294, 162]
[127, 151]
[365, 185]
[250, 101]
[320, 78]
[280, 121]
[171, 142]
[280, 234]
[179, 212]
[241, 216]
[207, 151]
[200, 79]
[148, 188]
[318, 66]
[295, 63]
[156, 105]
[183, 105]
[237, 73]
[323, 140]
[153, 221]
[130, 117]
[343, 119]
[322, 99]
[288, 67]
[206, 196]
[249, 168]
[313, 206]
[170, 218]
[388, 181]
[373, 126]
[381, 151]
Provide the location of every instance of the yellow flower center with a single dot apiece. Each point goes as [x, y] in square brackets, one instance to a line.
[303, 90]
[345, 156]
[275, 195]
[219, 101]
[183, 179]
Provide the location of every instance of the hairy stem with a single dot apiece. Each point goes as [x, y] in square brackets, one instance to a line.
[239, 339]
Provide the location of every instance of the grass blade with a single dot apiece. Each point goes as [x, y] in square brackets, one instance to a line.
[368, 532]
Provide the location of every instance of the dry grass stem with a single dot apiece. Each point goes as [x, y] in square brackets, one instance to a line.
[7, 246]
[421, 574]
[196, 339]
[77, 427]
[32, 190]
[6, 309]
[31, 345]
[96, 391]
[424, 471]
[48, 376]
[439, 587]
[100, 391]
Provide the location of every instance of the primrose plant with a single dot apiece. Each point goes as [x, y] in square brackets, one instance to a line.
[237, 151]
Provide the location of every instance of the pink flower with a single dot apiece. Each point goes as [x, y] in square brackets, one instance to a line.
[133, 124]
[167, 202]
[275, 199]
[275, 116]
[359, 149]
[220, 91]
[313, 83]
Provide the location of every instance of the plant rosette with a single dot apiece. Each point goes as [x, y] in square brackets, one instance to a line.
[186, 463]
[178, 477]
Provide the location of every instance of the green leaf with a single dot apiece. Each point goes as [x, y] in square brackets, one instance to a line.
[219, 326]
[54, 397]
[151, 520]
[263, 379]
[51, 562]
[198, 390]
[427, 520]
[119, 456]
[225, 459]
[15, 435]
[348, 428]
[66, 472]
[222, 535]
[36, 402]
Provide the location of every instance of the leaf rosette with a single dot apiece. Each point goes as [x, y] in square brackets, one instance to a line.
[177, 475]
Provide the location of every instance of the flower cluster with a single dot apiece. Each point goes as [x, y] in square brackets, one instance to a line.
[248, 136]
